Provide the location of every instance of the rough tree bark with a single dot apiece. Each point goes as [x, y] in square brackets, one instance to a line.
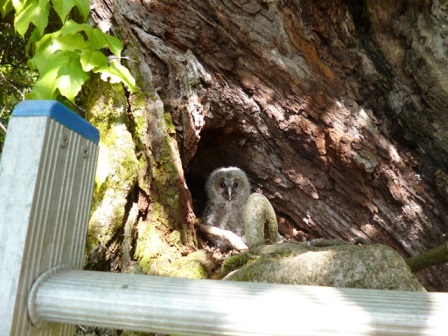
[335, 110]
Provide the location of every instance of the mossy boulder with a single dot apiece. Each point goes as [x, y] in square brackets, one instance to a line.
[321, 262]
[372, 266]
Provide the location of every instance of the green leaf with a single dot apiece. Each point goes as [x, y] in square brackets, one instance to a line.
[117, 73]
[114, 44]
[101, 40]
[63, 7]
[45, 54]
[72, 27]
[84, 7]
[92, 59]
[70, 42]
[64, 57]
[71, 77]
[34, 11]
[35, 37]
[6, 7]
[98, 39]
[18, 5]
[45, 86]
[65, 74]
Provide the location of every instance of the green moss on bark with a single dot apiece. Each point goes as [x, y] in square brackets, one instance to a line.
[117, 164]
[138, 151]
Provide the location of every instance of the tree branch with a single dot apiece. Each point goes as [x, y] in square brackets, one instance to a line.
[436, 256]
[3, 127]
[233, 239]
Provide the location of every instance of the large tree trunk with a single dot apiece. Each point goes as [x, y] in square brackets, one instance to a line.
[335, 110]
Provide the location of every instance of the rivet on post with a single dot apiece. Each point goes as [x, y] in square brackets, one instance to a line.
[84, 152]
[63, 140]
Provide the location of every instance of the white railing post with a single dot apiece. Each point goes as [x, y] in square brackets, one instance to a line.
[46, 181]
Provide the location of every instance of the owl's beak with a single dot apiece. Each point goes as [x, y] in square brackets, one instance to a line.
[229, 193]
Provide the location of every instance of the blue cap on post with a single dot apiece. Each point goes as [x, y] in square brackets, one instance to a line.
[58, 112]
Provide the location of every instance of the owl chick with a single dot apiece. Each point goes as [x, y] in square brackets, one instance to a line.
[227, 190]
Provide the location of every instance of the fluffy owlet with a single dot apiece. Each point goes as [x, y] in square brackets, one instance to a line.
[227, 190]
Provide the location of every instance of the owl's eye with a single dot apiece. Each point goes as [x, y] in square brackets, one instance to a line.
[235, 184]
[222, 185]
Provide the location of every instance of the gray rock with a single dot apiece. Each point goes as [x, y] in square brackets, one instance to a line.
[342, 265]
